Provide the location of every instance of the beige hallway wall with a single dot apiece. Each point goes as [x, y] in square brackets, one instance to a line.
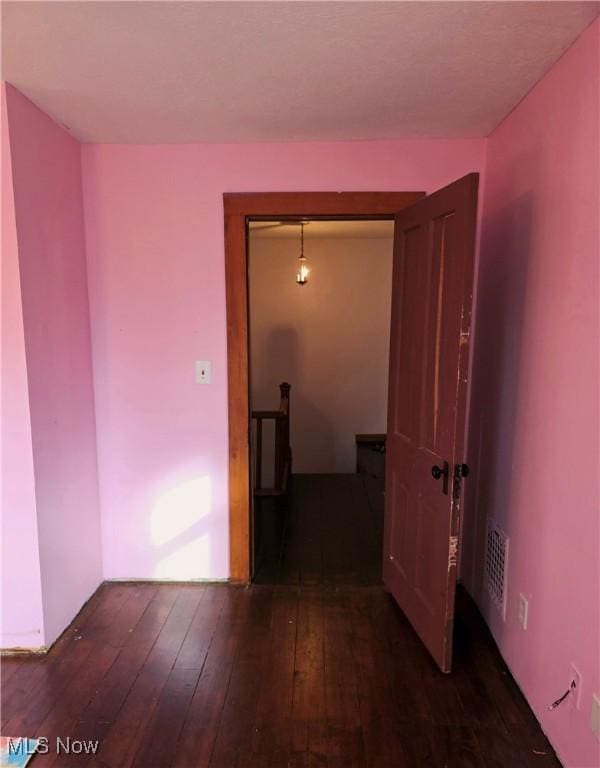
[328, 338]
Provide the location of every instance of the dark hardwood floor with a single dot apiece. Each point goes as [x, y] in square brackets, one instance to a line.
[328, 531]
[267, 677]
[318, 669]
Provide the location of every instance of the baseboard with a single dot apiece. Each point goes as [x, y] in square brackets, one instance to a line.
[182, 582]
[24, 652]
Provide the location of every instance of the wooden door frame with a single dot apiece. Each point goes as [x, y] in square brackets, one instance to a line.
[239, 208]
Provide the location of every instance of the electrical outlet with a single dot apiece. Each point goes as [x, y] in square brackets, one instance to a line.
[523, 611]
[595, 719]
[575, 676]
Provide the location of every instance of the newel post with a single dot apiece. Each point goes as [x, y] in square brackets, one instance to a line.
[284, 388]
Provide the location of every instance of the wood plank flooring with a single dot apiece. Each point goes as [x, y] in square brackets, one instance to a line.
[328, 531]
[269, 676]
[316, 666]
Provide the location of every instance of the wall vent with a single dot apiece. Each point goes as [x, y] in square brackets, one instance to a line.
[496, 565]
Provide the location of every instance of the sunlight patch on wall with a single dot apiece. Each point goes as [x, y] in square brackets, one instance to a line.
[186, 562]
[180, 508]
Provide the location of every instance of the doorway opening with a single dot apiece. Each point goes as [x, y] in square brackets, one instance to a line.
[432, 289]
[319, 299]
[239, 209]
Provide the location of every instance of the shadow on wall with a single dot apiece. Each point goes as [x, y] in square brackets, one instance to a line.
[495, 405]
[284, 353]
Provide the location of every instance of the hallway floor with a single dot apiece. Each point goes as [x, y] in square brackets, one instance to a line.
[186, 676]
[329, 531]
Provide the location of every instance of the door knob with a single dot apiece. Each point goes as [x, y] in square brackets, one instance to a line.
[438, 472]
[460, 471]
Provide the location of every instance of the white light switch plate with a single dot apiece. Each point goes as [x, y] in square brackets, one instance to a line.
[203, 372]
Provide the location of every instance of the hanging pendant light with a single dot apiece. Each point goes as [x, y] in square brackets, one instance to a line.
[303, 270]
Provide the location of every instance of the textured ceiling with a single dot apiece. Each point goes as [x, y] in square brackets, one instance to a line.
[288, 71]
[322, 230]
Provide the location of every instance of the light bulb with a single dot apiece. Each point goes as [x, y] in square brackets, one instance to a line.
[303, 271]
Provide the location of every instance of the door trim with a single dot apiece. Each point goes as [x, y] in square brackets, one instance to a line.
[238, 209]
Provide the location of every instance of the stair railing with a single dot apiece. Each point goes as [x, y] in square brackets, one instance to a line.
[283, 451]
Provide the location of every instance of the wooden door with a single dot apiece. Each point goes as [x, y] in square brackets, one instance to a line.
[429, 347]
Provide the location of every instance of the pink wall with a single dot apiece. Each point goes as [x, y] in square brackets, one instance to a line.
[154, 222]
[22, 619]
[534, 436]
[154, 231]
[46, 166]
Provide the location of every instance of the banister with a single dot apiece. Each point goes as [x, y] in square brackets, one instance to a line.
[269, 414]
[283, 451]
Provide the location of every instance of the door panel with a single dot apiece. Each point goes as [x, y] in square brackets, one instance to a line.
[431, 317]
